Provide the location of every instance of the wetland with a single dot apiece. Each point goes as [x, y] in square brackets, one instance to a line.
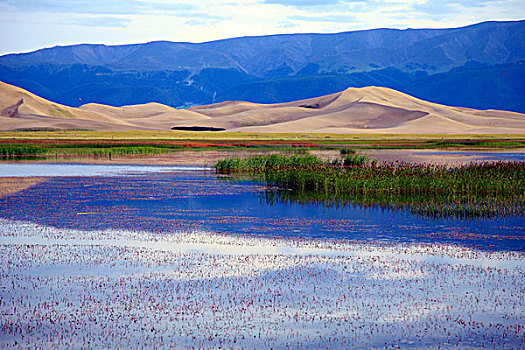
[111, 255]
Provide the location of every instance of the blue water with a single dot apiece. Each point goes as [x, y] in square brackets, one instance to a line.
[486, 156]
[200, 200]
[61, 169]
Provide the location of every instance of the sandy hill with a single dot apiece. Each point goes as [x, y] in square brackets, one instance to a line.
[360, 110]
[37, 113]
[354, 110]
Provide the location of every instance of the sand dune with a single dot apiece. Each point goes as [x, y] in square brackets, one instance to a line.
[226, 108]
[354, 110]
[135, 111]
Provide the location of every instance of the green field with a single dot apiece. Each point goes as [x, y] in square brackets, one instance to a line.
[90, 143]
[229, 136]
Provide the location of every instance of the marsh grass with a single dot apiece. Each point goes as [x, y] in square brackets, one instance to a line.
[349, 159]
[23, 151]
[262, 164]
[43, 149]
[473, 190]
[385, 140]
[14, 151]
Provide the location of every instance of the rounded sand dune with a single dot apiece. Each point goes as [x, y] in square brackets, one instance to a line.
[354, 110]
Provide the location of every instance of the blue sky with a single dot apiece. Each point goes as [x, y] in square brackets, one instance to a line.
[27, 25]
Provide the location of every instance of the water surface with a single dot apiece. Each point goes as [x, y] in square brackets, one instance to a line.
[128, 258]
[60, 169]
[494, 156]
[168, 199]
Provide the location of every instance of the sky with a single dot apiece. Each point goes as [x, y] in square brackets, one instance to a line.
[28, 25]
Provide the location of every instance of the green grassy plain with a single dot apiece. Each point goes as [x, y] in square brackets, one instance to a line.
[143, 143]
[229, 136]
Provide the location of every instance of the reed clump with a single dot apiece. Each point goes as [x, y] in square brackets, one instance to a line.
[486, 189]
[262, 164]
[16, 151]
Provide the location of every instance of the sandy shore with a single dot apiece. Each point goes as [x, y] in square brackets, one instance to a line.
[70, 288]
[184, 158]
[451, 157]
[10, 185]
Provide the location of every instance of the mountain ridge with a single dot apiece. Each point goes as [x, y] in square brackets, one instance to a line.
[256, 37]
[186, 74]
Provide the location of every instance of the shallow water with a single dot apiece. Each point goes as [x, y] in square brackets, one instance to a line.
[60, 169]
[166, 257]
[127, 289]
[494, 156]
[188, 200]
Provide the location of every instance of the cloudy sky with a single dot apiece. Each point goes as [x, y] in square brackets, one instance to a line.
[27, 25]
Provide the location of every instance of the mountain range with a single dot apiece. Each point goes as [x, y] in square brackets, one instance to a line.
[480, 66]
[353, 110]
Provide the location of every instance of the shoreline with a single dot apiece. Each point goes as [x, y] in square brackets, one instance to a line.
[14, 184]
[450, 157]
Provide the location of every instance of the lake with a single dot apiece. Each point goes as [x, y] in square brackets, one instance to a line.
[144, 256]
[165, 199]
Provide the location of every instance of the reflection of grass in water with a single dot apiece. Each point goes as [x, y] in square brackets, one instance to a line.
[23, 152]
[427, 206]
[468, 191]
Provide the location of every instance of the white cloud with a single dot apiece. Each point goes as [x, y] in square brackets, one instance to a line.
[325, 18]
[301, 3]
[31, 24]
[96, 21]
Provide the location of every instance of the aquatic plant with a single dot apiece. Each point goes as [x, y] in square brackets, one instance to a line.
[471, 190]
[109, 148]
[15, 151]
[352, 159]
[105, 150]
[345, 151]
[265, 163]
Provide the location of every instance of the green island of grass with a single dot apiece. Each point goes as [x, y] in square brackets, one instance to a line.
[467, 191]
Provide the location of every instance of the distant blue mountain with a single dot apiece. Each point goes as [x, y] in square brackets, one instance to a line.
[480, 66]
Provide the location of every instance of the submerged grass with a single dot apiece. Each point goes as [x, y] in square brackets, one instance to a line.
[472, 190]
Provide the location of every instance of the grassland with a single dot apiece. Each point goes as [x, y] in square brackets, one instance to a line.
[107, 144]
[242, 136]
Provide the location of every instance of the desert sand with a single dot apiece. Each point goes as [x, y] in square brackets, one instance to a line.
[354, 110]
